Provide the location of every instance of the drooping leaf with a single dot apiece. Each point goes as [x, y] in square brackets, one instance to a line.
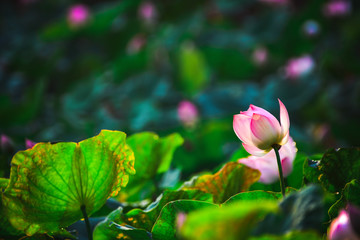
[231, 221]
[350, 194]
[302, 210]
[49, 183]
[145, 219]
[168, 224]
[233, 178]
[153, 156]
[336, 168]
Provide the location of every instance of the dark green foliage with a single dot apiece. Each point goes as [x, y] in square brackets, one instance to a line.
[336, 168]
[299, 211]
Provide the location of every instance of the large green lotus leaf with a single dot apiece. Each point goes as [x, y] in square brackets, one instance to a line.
[350, 194]
[230, 221]
[233, 178]
[168, 223]
[49, 183]
[295, 235]
[6, 229]
[153, 156]
[336, 168]
[145, 219]
[300, 211]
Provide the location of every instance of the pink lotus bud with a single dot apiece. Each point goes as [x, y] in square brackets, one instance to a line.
[337, 8]
[311, 28]
[267, 164]
[29, 143]
[187, 113]
[147, 12]
[78, 15]
[342, 228]
[259, 130]
[275, 2]
[260, 55]
[298, 67]
[136, 44]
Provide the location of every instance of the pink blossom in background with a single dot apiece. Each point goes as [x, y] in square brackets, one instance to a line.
[341, 227]
[78, 15]
[337, 8]
[267, 164]
[180, 219]
[187, 113]
[29, 143]
[147, 12]
[6, 143]
[136, 44]
[259, 130]
[299, 67]
[260, 55]
[275, 2]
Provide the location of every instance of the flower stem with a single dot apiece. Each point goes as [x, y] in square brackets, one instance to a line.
[282, 184]
[87, 223]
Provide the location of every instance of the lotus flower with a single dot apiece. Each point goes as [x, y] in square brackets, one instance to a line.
[260, 131]
[343, 226]
[267, 164]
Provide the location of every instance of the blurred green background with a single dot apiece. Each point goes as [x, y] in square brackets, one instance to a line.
[71, 68]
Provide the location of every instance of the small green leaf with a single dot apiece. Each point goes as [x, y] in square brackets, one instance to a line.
[192, 69]
[233, 178]
[153, 156]
[335, 169]
[231, 221]
[350, 194]
[108, 229]
[50, 182]
[166, 227]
